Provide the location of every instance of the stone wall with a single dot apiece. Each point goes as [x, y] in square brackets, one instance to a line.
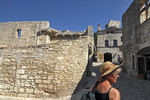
[142, 32]
[136, 39]
[45, 70]
[29, 33]
[130, 20]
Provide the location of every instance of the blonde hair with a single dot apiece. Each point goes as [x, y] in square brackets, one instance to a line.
[117, 71]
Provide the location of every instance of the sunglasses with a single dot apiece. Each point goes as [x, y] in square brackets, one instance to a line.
[115, 75]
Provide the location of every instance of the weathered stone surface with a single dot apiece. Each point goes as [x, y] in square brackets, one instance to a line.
[32, 67]
[136, 38]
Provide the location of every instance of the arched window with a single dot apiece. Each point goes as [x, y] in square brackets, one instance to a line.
[115, 43]
[106, 43]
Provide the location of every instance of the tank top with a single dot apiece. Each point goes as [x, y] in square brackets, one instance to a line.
[102, 96]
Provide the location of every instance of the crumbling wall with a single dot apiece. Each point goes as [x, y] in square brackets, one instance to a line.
[9, 33]
[50, 70]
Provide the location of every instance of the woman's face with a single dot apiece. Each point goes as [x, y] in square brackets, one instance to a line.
[113, 77]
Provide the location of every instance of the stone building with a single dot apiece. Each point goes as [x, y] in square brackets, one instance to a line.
[37, 61]
[109, 42]
[136, 38]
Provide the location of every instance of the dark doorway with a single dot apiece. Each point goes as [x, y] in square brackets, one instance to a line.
[107, 57]
[148, 63]
[144, 62]
[140, 65]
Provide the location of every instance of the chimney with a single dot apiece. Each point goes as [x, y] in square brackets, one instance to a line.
[99, 27]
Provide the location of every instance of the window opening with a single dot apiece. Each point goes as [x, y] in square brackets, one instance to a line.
[19, 33]
[115, 43]
[106, 43]
[144, 10]
[143, 16]
[133, 61]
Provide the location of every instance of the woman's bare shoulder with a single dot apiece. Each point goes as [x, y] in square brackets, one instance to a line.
[114, 94]
[114, 90]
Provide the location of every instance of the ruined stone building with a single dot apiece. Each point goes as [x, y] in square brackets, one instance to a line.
[136, 38]
[109, 42]
[40, 62]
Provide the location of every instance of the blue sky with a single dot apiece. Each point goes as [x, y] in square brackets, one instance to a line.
[73, 15]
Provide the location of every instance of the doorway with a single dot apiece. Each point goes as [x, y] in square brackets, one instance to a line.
[141, 65]
[107, 57]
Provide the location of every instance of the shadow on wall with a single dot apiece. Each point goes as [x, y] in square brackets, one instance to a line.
[94, 57]
[84, 80]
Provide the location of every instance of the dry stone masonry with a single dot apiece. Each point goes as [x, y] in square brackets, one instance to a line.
[37, 61]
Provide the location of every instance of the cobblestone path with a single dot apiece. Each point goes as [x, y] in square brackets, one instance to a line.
[129, 87]
[132, 88]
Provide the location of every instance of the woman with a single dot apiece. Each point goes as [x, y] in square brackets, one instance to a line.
[109, 74]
